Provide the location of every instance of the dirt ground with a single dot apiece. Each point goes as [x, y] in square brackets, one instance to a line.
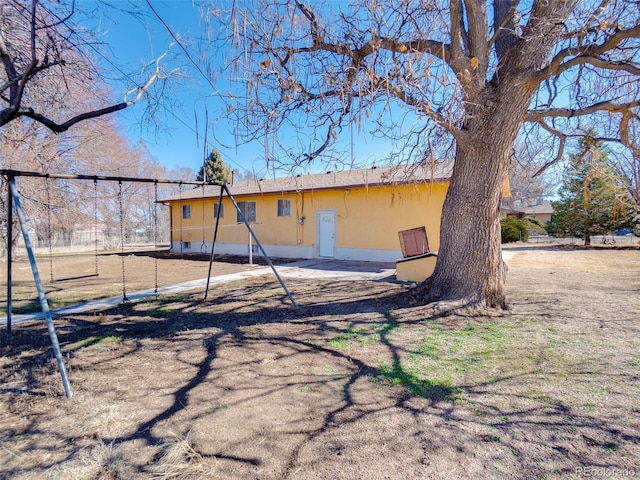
[354, 385]
[70, 278]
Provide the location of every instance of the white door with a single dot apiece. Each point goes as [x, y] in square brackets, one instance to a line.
[326, 233]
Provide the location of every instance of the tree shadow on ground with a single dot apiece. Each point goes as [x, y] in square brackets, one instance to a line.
[229, 320]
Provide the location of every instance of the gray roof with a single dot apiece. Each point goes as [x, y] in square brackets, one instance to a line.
[544, 208]
[365, 177]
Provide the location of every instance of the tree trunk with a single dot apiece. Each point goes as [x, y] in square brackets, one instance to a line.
[470, 272]
[587, 239]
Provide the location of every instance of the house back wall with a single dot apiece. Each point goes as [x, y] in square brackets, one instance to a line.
[367, 219]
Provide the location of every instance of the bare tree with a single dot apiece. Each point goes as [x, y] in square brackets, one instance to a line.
[51, 78]
[23, 146]
[629, 164]
[58, 209]
[44, 54]
[463, 73]
[526, 188]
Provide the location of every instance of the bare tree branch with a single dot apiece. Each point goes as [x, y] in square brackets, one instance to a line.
[478, 32]
[600, 63]
[34, 42]
[560, 152]
[506, 25]
[606, 106]
[625, 137]
[591, 51]
[422, 45]
[63, 127]
[456, 29]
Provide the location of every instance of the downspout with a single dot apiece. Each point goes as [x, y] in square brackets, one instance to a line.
[170, 227]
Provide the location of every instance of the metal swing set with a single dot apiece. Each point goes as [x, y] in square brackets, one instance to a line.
[13, 202]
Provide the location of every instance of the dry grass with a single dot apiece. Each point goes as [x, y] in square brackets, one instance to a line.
[353, 385]
[74, 278]
[179, 460]
[105, 461]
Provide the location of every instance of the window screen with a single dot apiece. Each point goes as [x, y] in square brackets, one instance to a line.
[217, 206]
[284, 207]
[249, 211]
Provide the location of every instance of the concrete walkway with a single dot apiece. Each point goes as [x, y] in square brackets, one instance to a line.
[342, 270]
[317, 268]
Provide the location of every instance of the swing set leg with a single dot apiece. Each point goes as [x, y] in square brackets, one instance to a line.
[41, 295]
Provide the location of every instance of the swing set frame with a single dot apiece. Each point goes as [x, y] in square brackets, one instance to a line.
[13, 202]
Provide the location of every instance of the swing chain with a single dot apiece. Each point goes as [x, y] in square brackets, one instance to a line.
[124, 288]
[203, 247]
[155, 236]
[49, 228]
[181, 215]
[95, 221]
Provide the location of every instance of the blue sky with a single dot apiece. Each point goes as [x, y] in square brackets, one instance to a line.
[133, 40]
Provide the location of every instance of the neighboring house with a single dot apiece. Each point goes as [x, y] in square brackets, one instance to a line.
[353, 214]
[542, 211]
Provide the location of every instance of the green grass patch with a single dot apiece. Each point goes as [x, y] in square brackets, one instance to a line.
[449, 355]
[55, 300]
[443, 358]
[162, 311]
[410, 379]
[101, 340]
[339, 342]
[22, 307]
[611, 447]
[351, 337]
[343, 340]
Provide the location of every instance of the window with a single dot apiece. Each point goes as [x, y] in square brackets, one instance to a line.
[186, 211]
[284, 207]
[217, 206]
[249, 211]
[186, 245]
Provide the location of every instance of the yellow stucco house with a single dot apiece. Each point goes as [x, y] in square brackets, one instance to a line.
[348, 215]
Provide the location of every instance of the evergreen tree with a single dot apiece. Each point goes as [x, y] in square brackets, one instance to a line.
[593, 198]
[216, 169]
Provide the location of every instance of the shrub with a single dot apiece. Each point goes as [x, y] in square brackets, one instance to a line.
[513, 230]
[534, 226]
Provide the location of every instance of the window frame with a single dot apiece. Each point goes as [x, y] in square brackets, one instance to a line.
[243, 207]
[217, 205]
[285, 211]
[186, 211]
